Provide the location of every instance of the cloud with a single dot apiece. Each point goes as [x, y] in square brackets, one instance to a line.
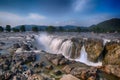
[80, 5]
[85, 20]
[14, 19]
[94, 19]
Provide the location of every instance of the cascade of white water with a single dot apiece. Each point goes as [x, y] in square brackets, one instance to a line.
[83, 58]
[105, 41]
[66, 48]
[55, 45]
[58, 45]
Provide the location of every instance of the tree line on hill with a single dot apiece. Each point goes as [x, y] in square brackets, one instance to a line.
[112, 25]
[22, 28]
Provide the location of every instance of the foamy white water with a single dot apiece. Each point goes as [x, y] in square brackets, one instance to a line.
[105, 41]
[83, 58]
[57, 45]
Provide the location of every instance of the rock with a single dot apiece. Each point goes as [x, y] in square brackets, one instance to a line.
[38, 64]
[75, 48]
[16, 45]
[36, 77]
[67, 69]
[55, 61]
[28, 73]
[112, 69]
[25, 47]
[79, 72]
[19, 77]
[50, 67]
[69, 77]
[2, 43]
[94, 48]
[91, 78]
[57, 72]
[63, 61]
[7, 75]
[84, 73]
[112, 56]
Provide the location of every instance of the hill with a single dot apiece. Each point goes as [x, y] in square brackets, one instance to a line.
[111, 25]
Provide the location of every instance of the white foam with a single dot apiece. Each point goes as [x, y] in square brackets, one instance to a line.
[57, 45]
[83, 58]
[105, 41]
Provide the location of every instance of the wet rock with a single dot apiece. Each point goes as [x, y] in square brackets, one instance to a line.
[112, 56]
[64, 61]
[57, 59]
[2, 43]
[8, 75]
[84, 73]
[38, 64]
[19, 77]
[57, 72]
[76, 48]
[94, 48]
[67, 69]
[91, 78]
[16, 46]
[55, 62]
[28, 73]
[112, 69]
[69, 77]
[26, 47]
[36, 77]
[50, 67]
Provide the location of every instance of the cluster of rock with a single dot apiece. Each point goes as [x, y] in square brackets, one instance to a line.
[108, 53]
[72, 69]
[12, 66]
[111, 61]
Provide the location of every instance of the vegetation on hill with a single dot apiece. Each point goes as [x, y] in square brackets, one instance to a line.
[112, 25]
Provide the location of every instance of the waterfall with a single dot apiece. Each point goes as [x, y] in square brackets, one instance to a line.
[83, 58]
[59, 45]
[105, 41]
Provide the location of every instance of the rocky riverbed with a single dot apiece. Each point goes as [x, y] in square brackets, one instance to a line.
[21, 59]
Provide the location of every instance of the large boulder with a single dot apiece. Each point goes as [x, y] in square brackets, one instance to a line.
[84, 73]
[94, 48]
[16, 45]
[57, 59]
[67, 68]
[26, 47]
[112, 69]
[112, 50]
[69, 77]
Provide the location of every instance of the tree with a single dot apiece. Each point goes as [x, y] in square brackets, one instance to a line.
[15, 30]
[78, 29]
[1, 29]
[8, 28]
[35, 29]
[22, 28]
[61, 29]
[50, 29]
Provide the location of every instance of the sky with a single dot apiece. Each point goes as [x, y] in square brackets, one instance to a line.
[57, 12]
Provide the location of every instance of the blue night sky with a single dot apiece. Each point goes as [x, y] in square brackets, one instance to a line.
[57, 12]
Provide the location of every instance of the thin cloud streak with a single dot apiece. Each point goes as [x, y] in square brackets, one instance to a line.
[14, 19]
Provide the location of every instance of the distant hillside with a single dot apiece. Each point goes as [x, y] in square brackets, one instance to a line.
[29, 27]
[111, 25]
[67, 27]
